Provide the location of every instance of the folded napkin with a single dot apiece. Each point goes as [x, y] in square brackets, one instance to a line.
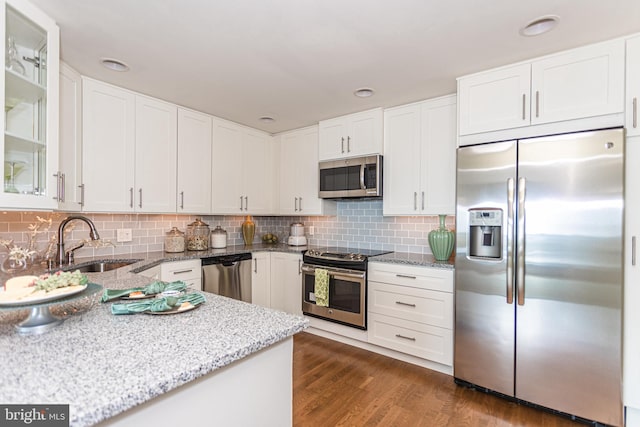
[151, 289]
[321, 287]
[157, 304]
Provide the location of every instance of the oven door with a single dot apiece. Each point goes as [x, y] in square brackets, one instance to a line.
[347, 296]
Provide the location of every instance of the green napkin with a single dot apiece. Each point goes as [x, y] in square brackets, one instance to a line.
[157, 304]
[151, 289]
[321, 287]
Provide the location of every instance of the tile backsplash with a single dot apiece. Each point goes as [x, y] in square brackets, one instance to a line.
[358, 224]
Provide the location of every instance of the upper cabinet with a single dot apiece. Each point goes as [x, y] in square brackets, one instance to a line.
[298, 179]
[194, 162]
[575, 84]
[352, 135]
[242, 170]
[69, 173]
[30, 123]
[420, 158]
[633, 87]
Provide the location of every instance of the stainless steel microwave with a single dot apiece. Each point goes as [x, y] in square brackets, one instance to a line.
[349, 178]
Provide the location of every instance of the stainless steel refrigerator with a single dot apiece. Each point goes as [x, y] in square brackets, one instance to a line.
[539, 270]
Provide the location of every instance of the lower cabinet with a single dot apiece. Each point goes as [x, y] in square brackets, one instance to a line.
[189, 271]
[410, 310]
[276, 281]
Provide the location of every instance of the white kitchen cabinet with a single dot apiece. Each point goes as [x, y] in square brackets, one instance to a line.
[194, 162]
[108, 149]
[70, 157]
[155, 155]
[631, 357]
[353, 135]
[298, 174]
[30, 123]
[410, 309]
[188, 271]
[286, 282]
[242, 170]
[261, 279]
[420, 158]
[632, 101]
[579, 83]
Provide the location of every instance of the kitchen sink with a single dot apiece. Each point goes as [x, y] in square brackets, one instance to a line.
[100, 266]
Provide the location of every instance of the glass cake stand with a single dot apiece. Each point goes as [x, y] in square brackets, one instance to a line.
[40, 318]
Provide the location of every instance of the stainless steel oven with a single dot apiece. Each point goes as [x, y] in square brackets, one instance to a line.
[347, 271]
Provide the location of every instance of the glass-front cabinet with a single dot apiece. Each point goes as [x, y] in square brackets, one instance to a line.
[30, 123]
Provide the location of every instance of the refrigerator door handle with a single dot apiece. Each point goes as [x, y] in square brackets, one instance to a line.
[510, 200]
[520, 243]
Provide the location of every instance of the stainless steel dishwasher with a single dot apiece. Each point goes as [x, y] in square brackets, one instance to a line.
[228, 275]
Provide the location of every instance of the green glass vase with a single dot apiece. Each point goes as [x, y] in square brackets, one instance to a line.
[441, 241]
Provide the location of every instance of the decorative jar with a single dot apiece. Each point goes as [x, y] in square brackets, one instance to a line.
[248, 230]
[174, 240]
[441, 241]
[198, 236]
[218, 238]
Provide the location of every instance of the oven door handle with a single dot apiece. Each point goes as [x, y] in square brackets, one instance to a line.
[335, 272]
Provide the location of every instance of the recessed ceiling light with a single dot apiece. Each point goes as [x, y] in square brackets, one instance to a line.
[114, 64]
[267, 119]
[540, 25]
[364, 92]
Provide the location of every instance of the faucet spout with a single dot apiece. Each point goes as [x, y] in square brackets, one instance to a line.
[93, 234]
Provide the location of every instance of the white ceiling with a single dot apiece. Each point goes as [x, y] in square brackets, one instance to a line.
[299, 61]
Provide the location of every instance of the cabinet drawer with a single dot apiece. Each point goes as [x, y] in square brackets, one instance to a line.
[418, 305]
[416, 277]
[417, 339]
[181, 270]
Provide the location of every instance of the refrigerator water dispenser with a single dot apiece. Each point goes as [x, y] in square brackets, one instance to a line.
[485, 233]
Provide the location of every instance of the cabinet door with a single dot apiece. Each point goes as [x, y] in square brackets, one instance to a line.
[364, 133]
[261, 279]
[333, 135]
[580, 83]
[70, 157]
[494, 100]
[108, 135]
[156, 150]
[226, 169]
[401, 160]
[257, 165]
[286, 282]
[194, 162]
[632, 103]
[290, 152]
[631, 376]
[438, 155]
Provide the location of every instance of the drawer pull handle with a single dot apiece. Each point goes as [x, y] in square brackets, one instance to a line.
[406, 304]
[405, 276]
[183, 271]
[405, 338]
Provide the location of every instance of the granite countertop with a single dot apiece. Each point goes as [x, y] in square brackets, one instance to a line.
[422, 260]
[102, 364]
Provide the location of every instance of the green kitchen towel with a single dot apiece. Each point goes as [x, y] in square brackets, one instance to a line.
[151, 289]
[321, 287]
[157, 304]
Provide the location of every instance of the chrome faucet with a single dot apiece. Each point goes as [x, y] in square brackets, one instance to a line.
[62, 257]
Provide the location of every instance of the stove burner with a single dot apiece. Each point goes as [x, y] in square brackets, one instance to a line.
[343, 254]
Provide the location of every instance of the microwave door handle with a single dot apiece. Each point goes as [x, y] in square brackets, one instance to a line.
[362, 168]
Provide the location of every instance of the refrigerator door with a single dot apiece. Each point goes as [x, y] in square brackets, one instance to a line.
[568, 346]
[484, 338]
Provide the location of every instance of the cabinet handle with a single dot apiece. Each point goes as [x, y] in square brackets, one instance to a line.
[182, 200]
[423, 200]
[342, 145]
[131, 197]
[255, 265]
[300, 204]
[633, 250]
[405, 338]
[246, 203]
[635, 113]
[62, 185]
[348, 144]
[57, 196]
[415, 201]
[299, 267]
[537, 104]
[81, 187]
[183, 271]
[524, 106]
[241, 203]
[405, 276]
[140, 202]
[405, 304]
[295, 204]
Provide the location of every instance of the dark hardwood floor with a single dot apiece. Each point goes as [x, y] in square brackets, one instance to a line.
[339, 385]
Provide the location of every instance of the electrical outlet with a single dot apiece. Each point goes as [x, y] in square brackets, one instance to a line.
[312, 230]
[124, 235]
